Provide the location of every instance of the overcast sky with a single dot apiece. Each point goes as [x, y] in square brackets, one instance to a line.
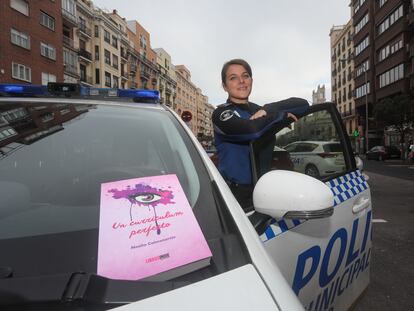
[285, 41]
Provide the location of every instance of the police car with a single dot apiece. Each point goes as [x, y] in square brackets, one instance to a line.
[307, 245]
[317, 158]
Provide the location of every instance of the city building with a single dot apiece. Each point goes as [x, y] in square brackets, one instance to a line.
[143, 66]
[31, 44]
[186, 95]
[342, 82]
[383, 40]
[167, 84]
[70, 41]
[318, 96]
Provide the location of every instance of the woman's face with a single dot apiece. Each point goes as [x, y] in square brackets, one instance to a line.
[238, 84]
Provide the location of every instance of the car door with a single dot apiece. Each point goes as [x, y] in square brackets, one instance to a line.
[325, 260]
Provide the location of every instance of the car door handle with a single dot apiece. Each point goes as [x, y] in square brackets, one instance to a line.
[360, 204]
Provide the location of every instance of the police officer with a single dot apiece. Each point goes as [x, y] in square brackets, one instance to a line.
[236, 124]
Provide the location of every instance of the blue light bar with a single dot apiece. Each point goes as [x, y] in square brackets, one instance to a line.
[57, 89]
[22, 89]
[153, 95]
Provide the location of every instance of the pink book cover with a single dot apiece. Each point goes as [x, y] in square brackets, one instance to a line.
[147, 228]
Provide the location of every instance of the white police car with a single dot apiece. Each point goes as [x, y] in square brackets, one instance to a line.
[308, 244]
[317, 158]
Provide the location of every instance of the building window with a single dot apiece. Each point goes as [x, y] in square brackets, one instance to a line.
[47, 77]
[96, 31]
[82, 69]
[21, 72]
[361, 69]
[107, 79]
[358, 5]
[107, 57]
[107, 37]
[391, 19]
[115, 61]
[361, 23]
[20, 39]
[362, 45]
[20, 6]
[390, 49]
[382, 2]
[47, 50]
[116, 81]
[362, 90]
[114, 42]
[391, 76]
[97, 76]
[96, 52]
[69, 6]
[47, 20]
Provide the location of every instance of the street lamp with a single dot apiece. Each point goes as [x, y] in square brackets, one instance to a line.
[364, 67]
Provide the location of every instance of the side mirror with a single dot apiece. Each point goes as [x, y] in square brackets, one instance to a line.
[287, 194]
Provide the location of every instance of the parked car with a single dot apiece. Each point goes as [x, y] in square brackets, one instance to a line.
[316, 158]
[381, 153]
[307, 242]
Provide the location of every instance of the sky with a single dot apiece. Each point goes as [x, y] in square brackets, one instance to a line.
[286, 42]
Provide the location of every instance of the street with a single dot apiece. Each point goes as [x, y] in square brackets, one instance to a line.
[392, 264]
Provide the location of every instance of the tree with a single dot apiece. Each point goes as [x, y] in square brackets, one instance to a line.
[396, 113]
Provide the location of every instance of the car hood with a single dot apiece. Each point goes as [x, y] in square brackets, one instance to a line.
[238, 289]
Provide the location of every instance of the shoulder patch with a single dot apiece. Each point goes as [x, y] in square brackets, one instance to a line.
[226, 115]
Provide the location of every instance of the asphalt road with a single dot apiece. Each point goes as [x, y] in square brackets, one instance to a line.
[392, 265]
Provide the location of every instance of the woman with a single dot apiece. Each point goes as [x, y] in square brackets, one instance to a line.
[237, 123]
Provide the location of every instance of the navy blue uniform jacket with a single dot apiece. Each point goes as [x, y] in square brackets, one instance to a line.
[233, 131]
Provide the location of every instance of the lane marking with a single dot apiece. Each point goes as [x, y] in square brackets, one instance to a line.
[379, 220]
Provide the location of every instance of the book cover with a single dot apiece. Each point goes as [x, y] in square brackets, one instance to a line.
[147, 229]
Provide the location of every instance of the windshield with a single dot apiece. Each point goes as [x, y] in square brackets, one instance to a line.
[51, 174]
[52, 166]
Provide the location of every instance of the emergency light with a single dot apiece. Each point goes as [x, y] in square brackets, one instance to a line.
[54, 89]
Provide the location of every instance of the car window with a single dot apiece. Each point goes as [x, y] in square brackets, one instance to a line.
[313, 146]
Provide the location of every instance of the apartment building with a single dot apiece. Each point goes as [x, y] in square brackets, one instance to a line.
[383, 41]
[318, 96]
[144, 61]
[70, 41]
[31, 44]
[167, 84]
[342, 78]
[186, 95]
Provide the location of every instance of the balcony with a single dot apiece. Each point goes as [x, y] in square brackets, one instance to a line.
[348, 114]
[133, 85]
[69, 18]
[69, 43]
[85, 31]
[124, 74]
[145, 74]
[133, 68]
[85, 55]
[168, 90]
[124, 55]
[71, 69]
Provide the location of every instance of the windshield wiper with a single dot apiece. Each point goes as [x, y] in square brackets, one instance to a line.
[79, 286]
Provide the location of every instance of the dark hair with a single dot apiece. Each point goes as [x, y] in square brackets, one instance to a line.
[236, 61]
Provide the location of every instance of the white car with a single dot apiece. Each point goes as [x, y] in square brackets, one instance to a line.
[317, 158]
[306, 246]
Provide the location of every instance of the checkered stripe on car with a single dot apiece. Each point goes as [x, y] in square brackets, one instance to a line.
[347, 186]
[343, 188]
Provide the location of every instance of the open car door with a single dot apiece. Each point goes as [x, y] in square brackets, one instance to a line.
[326, 260]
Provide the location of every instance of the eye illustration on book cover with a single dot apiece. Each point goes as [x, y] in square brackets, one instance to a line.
[144, 195]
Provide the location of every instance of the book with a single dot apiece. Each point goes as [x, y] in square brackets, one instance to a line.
[147, 230]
